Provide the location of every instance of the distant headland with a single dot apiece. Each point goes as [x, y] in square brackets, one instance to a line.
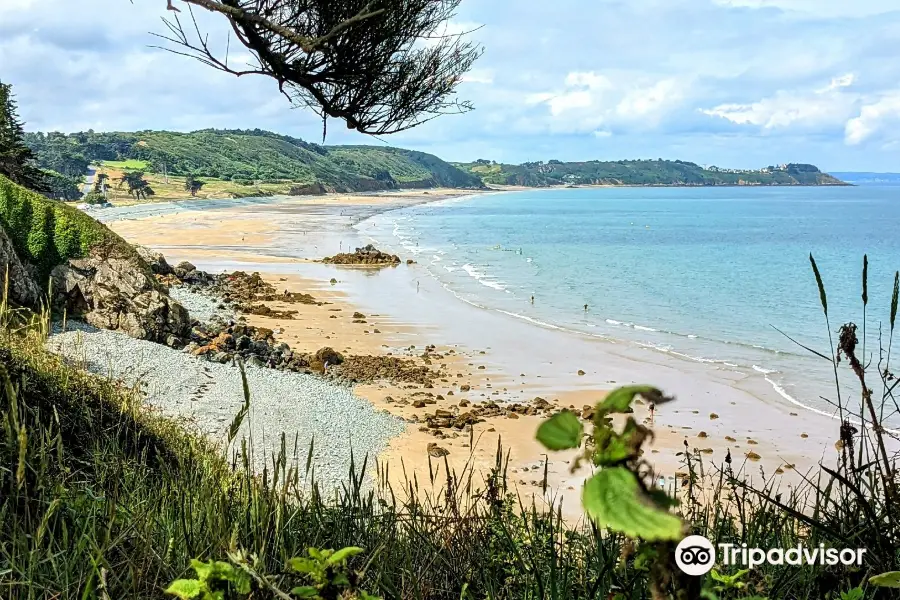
[642, 173]
[221, 163]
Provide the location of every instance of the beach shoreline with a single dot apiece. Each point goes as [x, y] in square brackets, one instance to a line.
[480, 349]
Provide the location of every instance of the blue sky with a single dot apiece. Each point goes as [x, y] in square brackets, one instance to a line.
[737, 83]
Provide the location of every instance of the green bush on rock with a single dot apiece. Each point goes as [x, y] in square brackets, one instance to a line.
[46, 232]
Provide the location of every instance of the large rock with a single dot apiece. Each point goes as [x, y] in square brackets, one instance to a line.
[23, 289]
[367, 255]
[156, 260]
[120, 293]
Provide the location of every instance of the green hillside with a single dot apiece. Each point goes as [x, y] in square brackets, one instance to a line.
[642, 172]
[250, 157]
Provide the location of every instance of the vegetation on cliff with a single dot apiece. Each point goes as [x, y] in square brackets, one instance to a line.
[248, 157]
[45, 232]
[642, 172]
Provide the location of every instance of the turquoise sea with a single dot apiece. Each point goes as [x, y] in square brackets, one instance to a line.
[705, 274]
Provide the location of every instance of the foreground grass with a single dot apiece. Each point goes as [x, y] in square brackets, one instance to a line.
[100, 500]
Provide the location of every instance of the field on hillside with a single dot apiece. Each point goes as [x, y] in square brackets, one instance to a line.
[172, 187]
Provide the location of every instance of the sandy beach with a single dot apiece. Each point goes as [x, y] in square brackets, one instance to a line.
[483, 355]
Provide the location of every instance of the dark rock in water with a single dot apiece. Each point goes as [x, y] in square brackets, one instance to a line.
[183, 268]
[156, 260]
[368, 255]
[23, 288]
[119, 293]
[255, 361]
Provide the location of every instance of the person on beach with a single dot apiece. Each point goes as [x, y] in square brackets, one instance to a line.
[417, 286]
[652, 409]
[532, 298]
[585, 308]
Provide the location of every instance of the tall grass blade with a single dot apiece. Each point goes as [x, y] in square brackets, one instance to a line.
[819, 283]
[894, 299]
[242, 414]
[865, 279]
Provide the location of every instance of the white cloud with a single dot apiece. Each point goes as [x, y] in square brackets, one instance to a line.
[826, 8]
[485, 76]
[872, 117]
[650, 101]
[827, 106]
[589, 99]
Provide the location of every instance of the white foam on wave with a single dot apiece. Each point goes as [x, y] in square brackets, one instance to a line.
[784, 394]
[759, 369]
[483, 278]
[642, 328]
[531, 320]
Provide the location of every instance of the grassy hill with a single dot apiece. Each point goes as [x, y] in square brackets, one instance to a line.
[244, 162]
[642, 172]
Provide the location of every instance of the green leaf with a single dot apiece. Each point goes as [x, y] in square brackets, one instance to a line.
[343, 554]
[853, 594]
[303, 565]
[890, 579]
[185, 588]
[562, 431]
[612, 498]
[619, 400]
[305, 591]
[610, 448]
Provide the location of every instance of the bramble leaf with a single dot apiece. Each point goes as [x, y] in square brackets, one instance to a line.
[343, 554]
[890, 579]
[562, 431]
[185, 588]
[619, 400]
[612, 498]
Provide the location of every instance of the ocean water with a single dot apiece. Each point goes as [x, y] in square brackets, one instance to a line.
[704, 274]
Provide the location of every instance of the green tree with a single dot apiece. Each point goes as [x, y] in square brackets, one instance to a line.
[193, 185]
[62, 187]
[16, 159]
[138, 187]
[100, 183]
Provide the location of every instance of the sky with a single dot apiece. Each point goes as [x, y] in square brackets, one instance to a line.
[733, 83]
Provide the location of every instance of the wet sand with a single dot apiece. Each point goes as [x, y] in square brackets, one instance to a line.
[499, 357]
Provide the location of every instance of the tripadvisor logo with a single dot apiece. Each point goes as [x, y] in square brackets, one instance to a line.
[696, 555]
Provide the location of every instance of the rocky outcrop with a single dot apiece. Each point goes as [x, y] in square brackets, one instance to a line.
[313, 189]
[368, 255]
[120, 293]
[156, 260]
[18, 275]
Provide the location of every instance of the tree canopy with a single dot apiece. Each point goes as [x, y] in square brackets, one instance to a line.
[381, 66]
[138, 187]
[16, 159]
